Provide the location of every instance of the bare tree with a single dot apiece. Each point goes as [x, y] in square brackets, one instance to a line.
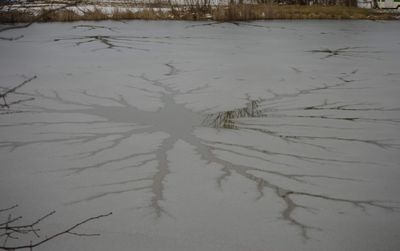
[12, 229]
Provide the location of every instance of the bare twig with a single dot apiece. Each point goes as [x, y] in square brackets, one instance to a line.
[11, 230]
[9, 208]
[8, 91]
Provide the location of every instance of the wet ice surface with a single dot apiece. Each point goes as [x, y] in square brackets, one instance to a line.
[247, 136]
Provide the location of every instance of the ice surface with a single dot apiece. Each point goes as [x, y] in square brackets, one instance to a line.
[205, 136]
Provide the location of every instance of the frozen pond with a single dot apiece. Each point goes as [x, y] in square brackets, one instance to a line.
[205, 136]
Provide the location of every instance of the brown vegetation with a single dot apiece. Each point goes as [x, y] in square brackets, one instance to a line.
[231, 12]
[265, 11]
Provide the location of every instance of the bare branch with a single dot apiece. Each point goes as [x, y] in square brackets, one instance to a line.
[8, 209]
[4, 94]
[14, 231]
[7, 91]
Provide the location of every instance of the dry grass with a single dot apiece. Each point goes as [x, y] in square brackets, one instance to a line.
[16, 17]
[266, 11]
[117, 14]
[243, 12]
[95, 15]
[226, 119]
[145, 14]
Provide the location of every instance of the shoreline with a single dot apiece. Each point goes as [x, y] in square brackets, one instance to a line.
[221, 13]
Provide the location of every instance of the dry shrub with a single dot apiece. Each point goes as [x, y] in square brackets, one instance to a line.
[62, 16]
[144, 14]
[95, 15]
[246, 12]
[232, 12]
[16, 17]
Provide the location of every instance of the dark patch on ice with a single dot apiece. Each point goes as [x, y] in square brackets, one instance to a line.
[346, 52]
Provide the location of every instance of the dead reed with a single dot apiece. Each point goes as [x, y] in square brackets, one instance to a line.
[267, 11]
[223, 13]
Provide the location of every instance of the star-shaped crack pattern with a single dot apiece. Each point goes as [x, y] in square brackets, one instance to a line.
[245, 119]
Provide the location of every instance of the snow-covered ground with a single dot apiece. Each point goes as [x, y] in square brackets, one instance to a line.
[133, 118]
